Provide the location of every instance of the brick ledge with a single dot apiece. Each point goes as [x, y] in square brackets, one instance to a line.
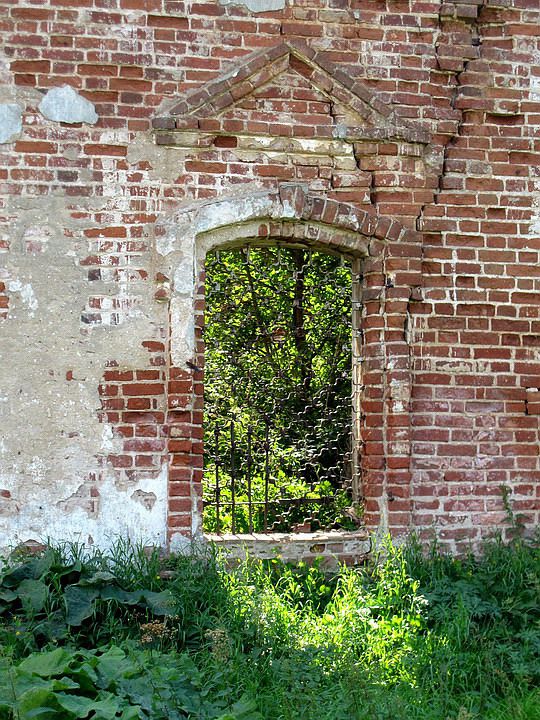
[333, 547]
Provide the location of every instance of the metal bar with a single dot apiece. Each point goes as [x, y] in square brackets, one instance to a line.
[218, 489]
[282, 500]
[266, 471]
[233, 480]
[249, 463]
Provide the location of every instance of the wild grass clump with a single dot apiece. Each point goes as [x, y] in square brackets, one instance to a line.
[410, 635]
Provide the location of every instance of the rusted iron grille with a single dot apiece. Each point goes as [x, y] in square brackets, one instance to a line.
[278, 411]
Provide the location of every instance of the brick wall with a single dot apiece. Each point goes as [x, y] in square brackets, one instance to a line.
[421, 119]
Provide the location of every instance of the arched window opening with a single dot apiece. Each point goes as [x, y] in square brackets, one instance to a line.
[279, 418]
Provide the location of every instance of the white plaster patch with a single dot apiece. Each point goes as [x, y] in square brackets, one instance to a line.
[233, 211]
[26, 293]
[182, 330]
[257, 6]
[535, 84]
[339, 130]
[6, 77]
[180, 544]
[383, 528]
[64, 104]
[196, 517]
[53, 395]
[399, 395]
[114, 137]
[289, 210]
[184, 276]
[146, 499]
[107, 437]
[37, 470]
[36, 239]
[165, 243]
[373, 59]
[10, 121]
[534, 227]
[119, 515]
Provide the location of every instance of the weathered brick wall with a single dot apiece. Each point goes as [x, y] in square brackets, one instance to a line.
[412, 128]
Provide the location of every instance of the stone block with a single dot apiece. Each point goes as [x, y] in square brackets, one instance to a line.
[64, 104]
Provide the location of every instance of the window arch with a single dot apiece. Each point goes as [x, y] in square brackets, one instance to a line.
[386, 260]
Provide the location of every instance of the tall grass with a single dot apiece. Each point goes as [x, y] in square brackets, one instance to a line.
[412, 635]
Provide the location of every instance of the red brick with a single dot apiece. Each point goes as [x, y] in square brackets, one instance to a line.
[107, 150]
[143, 389]
[35, 147]
[30, 66]
[98, 70]
[106, 232]
[168, 21]
[147, 445]
[474, 300]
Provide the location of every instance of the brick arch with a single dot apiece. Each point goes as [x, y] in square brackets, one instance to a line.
[388, 257]
[316, 219]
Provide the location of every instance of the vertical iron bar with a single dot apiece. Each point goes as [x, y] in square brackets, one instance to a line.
[233, 480]
[218, 489]
[249, 463]
[266, 472]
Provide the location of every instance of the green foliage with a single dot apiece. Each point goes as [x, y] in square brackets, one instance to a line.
[409, 636]
[278, 365]
[52, 597]
[114, 683]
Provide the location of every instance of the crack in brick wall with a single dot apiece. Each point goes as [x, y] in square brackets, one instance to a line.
[472, 495]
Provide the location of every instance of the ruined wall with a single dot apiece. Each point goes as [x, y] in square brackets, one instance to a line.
[412, 126]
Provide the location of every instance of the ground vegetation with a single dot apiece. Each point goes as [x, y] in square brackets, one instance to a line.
[411, 635]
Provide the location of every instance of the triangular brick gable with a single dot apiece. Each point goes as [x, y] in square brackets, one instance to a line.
[291, 101]
[200, 107]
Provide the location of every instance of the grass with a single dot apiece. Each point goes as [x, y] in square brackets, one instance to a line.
[411, 636]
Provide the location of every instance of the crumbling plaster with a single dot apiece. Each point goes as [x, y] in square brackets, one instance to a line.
[60, 104]
[184, 239]
[10, 121]
[49, 401]
[257, 6]
[13, 102]
[53, 447]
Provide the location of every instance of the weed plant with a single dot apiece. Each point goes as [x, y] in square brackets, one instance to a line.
[411, 635]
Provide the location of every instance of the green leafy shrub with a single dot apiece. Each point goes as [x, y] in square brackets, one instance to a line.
[56, 596]
[104, 685]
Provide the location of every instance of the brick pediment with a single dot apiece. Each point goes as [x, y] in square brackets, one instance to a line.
[264, 94]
